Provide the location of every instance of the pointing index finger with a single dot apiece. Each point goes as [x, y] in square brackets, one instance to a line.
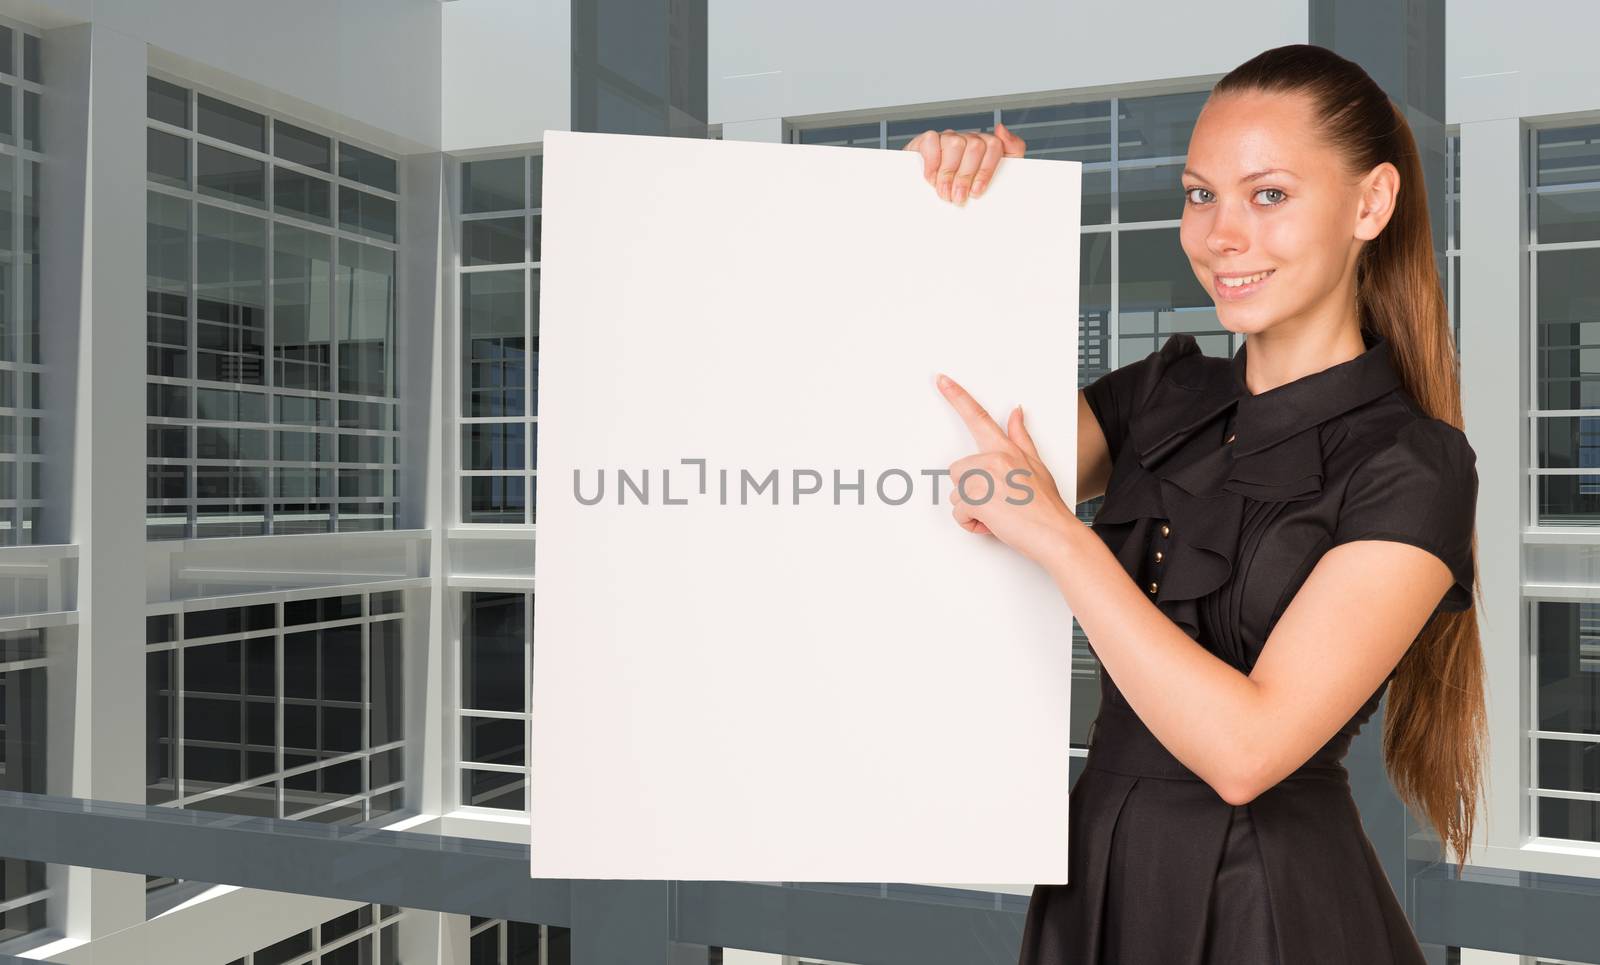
[985, 431]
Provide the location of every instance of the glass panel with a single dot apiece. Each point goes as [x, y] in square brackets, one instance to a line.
[31, 138]
[1094, 306]
[487, 740]
[492, 241]
[1569, 216]
[375, 170]
[1563, 818]
[301, 195]
[385, 716]
[493, 185]
[167, 102]
[366, 295]
[280, 952]
[902, 132]
[22, 732]
[493, 499]
[1568, 155]
[1159, 295]
[492, 445]
[167, 283]
[1158, 127]
[1569, 500]
[493, 789]
[167, 159]
[1569, 765]
[230, 122]
[850, 135]
[1150, 194]
[231, 296]
[230, 176]
[301, 146]
[492, 652]
[491, 315]
[1569, 442]
[1569, 328]
[366, 214]
[302, 311]
[1567, 651]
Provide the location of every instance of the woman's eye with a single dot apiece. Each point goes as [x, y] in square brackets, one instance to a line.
[1275, 191]
[1189, 195]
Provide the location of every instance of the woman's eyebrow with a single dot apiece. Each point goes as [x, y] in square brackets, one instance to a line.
[1247, 177]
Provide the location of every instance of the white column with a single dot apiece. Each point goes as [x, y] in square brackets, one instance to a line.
[426, 380]
[1495, 396]
[92, 280]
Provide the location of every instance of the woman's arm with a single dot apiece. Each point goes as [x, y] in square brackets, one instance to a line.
[1324, 659]
[1094, 455]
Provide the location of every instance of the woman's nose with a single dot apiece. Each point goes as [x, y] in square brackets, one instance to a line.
[1228, 232]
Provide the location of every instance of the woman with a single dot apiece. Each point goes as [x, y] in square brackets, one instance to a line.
[1297, 522]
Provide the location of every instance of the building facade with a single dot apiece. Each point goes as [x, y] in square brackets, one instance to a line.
[317, 750]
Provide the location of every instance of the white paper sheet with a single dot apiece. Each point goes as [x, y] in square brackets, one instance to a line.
[811, 692]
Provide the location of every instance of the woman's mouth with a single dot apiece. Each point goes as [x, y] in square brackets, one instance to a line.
[1234, 287]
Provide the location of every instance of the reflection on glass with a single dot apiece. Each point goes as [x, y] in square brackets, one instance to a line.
[1568, 328]
[230, 296]
[373, 170]
[302, 309]
[366, 299]
[492, 241]
[1158, 127]
[230, 122]
[491, 316]
[1150, 194]
[497, 185]
[1158, 294]
[303, 147]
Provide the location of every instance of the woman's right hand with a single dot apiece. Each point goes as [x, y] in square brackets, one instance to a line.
[958, 164]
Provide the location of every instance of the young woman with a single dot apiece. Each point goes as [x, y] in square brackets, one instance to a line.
[1284, 535]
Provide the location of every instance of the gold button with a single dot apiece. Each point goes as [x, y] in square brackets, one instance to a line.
[1158, 556]
[1166, 530]
[1152, 587]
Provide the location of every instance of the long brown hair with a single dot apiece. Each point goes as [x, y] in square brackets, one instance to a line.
[1435, 728]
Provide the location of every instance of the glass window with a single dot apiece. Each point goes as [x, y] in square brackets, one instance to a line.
[1567, 657]
[492, 241]
[301, 146]
[167, 158]
[491, 315]
[493, 185]
[366, 300]
[230, 176]
[230, 122]
[302, 310]
[332, 327]
[374, 170]
[167, 103]
[301, 195]
[340, 698]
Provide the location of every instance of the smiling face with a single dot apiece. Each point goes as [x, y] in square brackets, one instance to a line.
[1299, 223]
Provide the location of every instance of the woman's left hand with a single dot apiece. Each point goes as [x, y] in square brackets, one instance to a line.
[1008, 492]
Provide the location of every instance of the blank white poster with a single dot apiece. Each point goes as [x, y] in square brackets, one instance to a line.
[763, 648]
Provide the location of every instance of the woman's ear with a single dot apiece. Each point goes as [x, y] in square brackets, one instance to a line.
[1379, 191]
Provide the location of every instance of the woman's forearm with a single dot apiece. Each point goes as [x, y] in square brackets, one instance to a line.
[1201, 709]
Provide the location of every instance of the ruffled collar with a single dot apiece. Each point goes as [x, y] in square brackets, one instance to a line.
[1178, 468]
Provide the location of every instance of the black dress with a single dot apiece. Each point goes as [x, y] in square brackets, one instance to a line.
[1221, 534]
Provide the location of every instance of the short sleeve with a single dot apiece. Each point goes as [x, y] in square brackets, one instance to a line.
[1422, 490]
[1117, 395]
